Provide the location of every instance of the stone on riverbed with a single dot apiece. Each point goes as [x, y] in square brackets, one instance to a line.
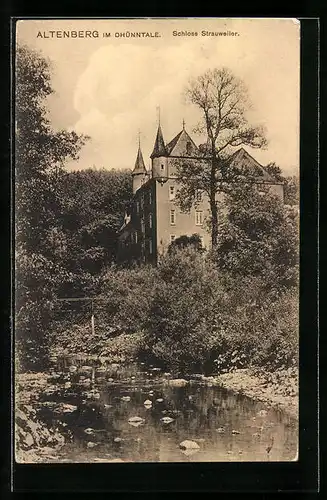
[167, 420]
[126, 399]
[64, 408]
[89, 430]
[136, 421]
[90, 444]
[86, 369]
[147, 403]
[178, 382]
[93, 394]
[189, 447]
[262, 413]
[101, 369]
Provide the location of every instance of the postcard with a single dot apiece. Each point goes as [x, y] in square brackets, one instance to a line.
[156, 240]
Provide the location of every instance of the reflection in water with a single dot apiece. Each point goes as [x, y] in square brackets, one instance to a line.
[112, 421]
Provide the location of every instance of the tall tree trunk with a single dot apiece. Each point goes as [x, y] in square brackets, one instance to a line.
[213, 189]
[214, 220]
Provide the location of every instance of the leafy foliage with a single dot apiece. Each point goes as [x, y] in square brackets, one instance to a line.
[40, 154]
[93, 203]
[259, 237]
[185, 241]
[291, 184]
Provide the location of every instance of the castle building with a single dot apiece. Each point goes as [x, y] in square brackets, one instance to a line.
[153, 220]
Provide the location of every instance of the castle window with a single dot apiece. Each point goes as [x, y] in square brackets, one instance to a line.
[162, 167]
[198, 195]
[150, 221]
[171, 192]
[172, 217]
[135, 237]
[150, 246]
[137, 207]
[150, 197]
[172, 237]
[199, 217]
[142, 226]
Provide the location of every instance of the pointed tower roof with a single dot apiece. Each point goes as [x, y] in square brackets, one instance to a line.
[139, 163]
[159, 148]
[182, 145]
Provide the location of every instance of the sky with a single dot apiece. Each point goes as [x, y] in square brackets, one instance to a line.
[110, 88]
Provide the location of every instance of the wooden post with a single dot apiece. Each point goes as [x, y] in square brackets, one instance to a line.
[92, 318]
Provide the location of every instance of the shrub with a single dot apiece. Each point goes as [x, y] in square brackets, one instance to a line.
[186, 296]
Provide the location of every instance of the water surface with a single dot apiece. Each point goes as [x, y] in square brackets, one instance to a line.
[225, 426]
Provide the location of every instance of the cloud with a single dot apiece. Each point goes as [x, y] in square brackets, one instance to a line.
[123, 84]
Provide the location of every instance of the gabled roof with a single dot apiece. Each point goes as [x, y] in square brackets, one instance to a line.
[139, 163]
[245, 163]
[182, 145]
[159, 148]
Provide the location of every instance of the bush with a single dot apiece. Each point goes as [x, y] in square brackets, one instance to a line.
[191, 316]
[187, 295]
[262, 332]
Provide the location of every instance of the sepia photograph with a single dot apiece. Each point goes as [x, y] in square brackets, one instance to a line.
[156, 230]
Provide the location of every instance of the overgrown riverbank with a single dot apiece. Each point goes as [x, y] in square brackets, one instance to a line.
[35, 440]
[278, 389]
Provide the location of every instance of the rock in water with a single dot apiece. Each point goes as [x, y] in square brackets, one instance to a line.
[126, 399]
[136, 421]
[86, 369]
[189, 445]
[159, 400]
[167, 420]
[101, 369]
[262, 413]
[89, 430]
[90, 444]
[65, 408]
[178, 382]
[147, 403]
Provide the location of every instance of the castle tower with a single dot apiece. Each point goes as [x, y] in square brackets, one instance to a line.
[159, 157]
[139, 173]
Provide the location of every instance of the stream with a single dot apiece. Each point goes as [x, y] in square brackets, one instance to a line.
[136, 414]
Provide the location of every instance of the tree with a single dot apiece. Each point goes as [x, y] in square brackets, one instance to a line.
[40, 155]
[186, 241]
[40, 152]
[93, 204]
[259, 237]
[291, 184]
[223, 101]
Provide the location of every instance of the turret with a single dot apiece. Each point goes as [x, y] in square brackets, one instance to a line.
[139, 173]
[159, 157]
